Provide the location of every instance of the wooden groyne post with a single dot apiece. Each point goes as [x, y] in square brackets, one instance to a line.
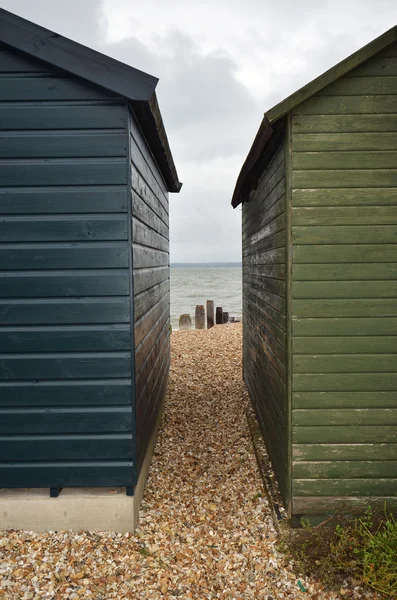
[210, 314]
[185, 322]
[200, 317]
[219, 315]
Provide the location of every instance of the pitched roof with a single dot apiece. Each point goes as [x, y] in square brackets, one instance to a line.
[134, 85]
[246, 179]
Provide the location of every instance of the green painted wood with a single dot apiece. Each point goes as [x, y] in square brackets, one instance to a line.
[344, 399]
[65, 392]
[344, 289]
[54, 200]
[25, 117]
[345, 469]
[345, 197]
[343, 142]
[358, 253]
[67, 474]
[347, 105]
[345, 382]
[62, 172]
[363, 307]
[65, 366]
[70, 447]
[344, 416]
[330, 434]
[378, 65]
[345, 363]
[361, 86]
[335, 215]
[62, 144]
[59, 256]
[345, 123]
[326, 505]
[344, 452]
[344, 344]
[63, 228]
[343, 272]
[345, 160]
[65, 420]
[345, 487]
[30, 284]
[268, 208]
[356, 234]
[82, 338]
[345, 177]
[345, 326]
[65, 310]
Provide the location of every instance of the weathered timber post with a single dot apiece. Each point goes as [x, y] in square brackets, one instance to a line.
[185, 322]
[200, 317]
[226, 317]
[210, 313]
[219, 315]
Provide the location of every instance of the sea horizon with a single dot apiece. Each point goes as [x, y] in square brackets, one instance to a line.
[203, 265]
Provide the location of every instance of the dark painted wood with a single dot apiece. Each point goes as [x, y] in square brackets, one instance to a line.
[62, 144]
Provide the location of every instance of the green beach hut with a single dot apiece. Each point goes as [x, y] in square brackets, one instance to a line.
[319, 208]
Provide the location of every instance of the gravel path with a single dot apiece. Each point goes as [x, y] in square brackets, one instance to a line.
[205, 528]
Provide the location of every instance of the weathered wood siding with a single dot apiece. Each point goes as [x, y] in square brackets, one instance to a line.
[65, 335]
[150, 233]
[344, 157]
[264, 311]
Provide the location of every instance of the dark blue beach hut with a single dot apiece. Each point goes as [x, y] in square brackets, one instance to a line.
[84, 263]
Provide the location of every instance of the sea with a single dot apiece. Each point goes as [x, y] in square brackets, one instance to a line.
[195, 283]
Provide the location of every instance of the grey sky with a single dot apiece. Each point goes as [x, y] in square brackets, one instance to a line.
[221, 64]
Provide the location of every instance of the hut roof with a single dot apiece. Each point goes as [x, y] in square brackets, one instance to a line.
[134, 85]
[271, 127]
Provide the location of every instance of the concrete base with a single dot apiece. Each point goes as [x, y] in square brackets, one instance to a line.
[89, 509]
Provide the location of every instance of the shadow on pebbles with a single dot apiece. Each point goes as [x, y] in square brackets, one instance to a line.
[205, 527]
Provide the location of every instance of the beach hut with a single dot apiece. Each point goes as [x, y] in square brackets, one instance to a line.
[84, 264]
[319, 209]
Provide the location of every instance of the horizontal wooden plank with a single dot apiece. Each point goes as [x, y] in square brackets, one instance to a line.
[270, 313]
[264, 345]
[263, 295]
[275, 286]
[357, 86]
[344, 344]
[335, 215]
[344, 160]
[345, 272]
[144, 301]
[70, 447]
[148, 257]
[29, 284]
[344, 416]
[147, 278]
[55, 200]
[145, 214]
[339, 142]
[378, 65]
[154, 358]
[12, 61]
[35, 311]
[344, 399]
[140, 161]
[344, 452]
[339, 434]
[115, 419]
[62, 144]
[344, 326]
[140, 188]
[344, 289]
[259, 363]
[255, 312]
[376, 469]
[73, 365]
[347, 105]
[344, 123]
[63, 228]
[69, 338]
[335, 307]
[66, 392]
[149, 379]
[85, 171]
[149, 343]
[342, 253]
[344, 382]
[29, 116]
[49, 88]
[344, 177]
[324, 505]
[345, 234]
[67, 474]
[150, 319]
[345, 363]
[263, 216]
[272, 236]
[276, 256]
[377, 197]
[146, 236]
[275, 271]
[105, 255]
[348, 487]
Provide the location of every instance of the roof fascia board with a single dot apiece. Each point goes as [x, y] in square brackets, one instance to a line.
[75, 58]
